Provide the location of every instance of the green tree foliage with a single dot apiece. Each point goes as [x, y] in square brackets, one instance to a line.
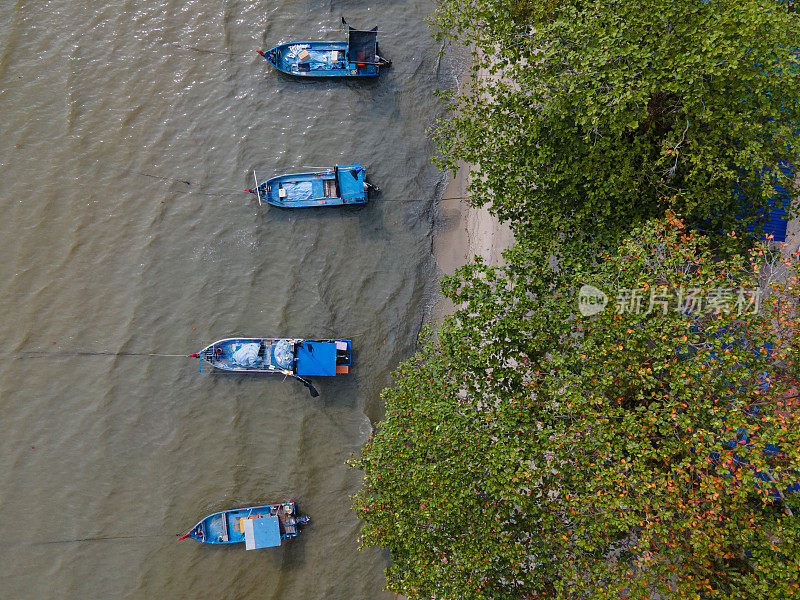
[589, 116]
[527, 452]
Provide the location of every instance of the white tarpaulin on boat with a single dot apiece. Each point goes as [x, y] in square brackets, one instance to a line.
[246, 356]
[263, 532]
[284, 353]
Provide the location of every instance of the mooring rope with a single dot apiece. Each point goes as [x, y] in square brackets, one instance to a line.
[219, 192]
[47, 354]
[204, 51]
[99, 539]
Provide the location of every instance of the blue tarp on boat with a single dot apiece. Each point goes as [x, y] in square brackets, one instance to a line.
[301, 190]
[351, 181]
[315, 58]
[316, 358]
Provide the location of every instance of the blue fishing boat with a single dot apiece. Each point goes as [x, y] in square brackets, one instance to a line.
[328, 187]
[257, 526]
[298, 358]
[358, 56]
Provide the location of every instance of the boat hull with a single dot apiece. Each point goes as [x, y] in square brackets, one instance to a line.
[321, 59]
[295, 357]
[339, 186]
[227, 526]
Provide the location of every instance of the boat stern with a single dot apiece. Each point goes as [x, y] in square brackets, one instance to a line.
[291, 523]
[344, 356]
[353, 184]
[324, 358]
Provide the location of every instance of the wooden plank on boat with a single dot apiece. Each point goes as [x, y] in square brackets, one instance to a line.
[225, 527]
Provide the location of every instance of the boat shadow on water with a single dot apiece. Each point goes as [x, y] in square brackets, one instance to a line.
[291, 555]
[384, 97]
[369, 216]
[320, 211]
[378, 94]
[293, 83]
[340, 392]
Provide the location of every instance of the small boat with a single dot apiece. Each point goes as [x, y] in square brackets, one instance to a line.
[298, 358]
[257, 526]
[328, 187]
[358, 56]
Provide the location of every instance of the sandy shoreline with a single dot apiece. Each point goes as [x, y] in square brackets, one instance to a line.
[464, 232]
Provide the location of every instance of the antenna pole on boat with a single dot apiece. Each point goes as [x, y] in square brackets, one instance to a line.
[258, 191]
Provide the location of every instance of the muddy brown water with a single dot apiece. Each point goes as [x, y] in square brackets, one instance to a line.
[129, 129]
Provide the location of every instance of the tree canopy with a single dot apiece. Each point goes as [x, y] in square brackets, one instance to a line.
[587, 117]
[616, 455]
[644, 443]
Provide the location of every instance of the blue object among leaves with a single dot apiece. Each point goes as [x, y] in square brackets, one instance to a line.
[779, 209]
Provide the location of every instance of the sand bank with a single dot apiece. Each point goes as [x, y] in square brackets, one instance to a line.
[464, 232]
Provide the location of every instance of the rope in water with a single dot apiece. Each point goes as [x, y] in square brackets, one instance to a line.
[46, 354]
[98, 539]
[221, 192]
[162, 178]
[204, 51]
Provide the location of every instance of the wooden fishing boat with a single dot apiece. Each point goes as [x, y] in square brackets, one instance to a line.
[306, 358]
[256, 526]
[358, 56]
[328, 187]
[297, 358]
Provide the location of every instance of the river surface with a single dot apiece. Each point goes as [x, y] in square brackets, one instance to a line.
[129, 129]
